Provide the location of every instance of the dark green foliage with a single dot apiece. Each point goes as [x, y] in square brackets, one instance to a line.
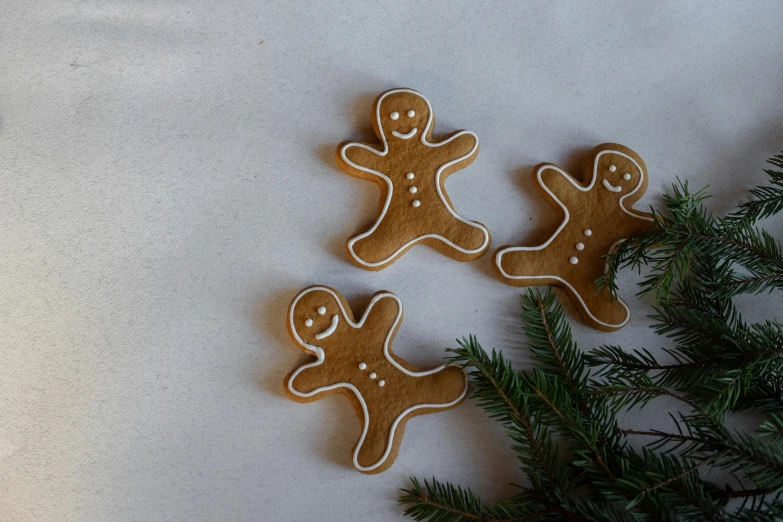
[562, 415]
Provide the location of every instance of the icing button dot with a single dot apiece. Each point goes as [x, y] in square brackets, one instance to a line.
[580, 246]
[309, 322]
[381, 383]
[416, 202]
[373, 375]
[588, 232]
[394, 115]
[411, 113]
[413, 190]
[574, 260]
[362, 366]
[409, 175]
[626, 176]
[612, 168]
[321, 310]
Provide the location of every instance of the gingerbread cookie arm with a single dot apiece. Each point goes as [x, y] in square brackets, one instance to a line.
[360, 160]
[383, 318]
[560, 186]
[310, 381]
[456, 152]
[383, 315]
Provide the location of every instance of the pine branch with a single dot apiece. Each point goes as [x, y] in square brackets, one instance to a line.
[686, 231]
[768, 200]
[500, 391]
[549, 339]
[444, 502]
[719, 363]
[772, 427]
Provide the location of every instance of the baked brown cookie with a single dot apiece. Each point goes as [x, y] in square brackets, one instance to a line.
[595, 217]
[356, 360]
[411, 170]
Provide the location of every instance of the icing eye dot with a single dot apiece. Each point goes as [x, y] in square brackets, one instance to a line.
[309, 322]
[612, 168]
[321, 310]
[409, 175]
[588, 232]
[411, 113]
[413, 190]
[373, 375]
[416, 203]
[580, 246]
[626, 176]
[381, 383]
[394, 115]
[574, 260]
[362, 366]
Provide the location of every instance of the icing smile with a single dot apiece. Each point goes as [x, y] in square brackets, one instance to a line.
[407, 135]
[329, 331]
[611, 187]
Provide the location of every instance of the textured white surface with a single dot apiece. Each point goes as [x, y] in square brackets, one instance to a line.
[167, 186]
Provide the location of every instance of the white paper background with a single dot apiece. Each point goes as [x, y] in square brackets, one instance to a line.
[167, 186]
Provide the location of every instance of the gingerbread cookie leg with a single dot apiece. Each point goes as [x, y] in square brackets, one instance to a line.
[523, 266]
[469, 237]
[378, 246]
[426, 392]
[599, 309]
[380, 437]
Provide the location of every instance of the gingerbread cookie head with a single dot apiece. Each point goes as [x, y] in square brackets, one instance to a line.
[315, 316]
[619, 172]
[402, 114]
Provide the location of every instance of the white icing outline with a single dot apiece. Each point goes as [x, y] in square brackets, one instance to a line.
[391, 187]
[405, 135]
[611, 187]
[329, 331]
[501, 252]
[319, 352]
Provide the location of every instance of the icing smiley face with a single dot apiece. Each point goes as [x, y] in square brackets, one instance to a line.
[403, 115]
[316, 317]
[617, 174]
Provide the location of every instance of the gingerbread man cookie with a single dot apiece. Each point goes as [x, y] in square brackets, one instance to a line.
[356, 359]
[596, 217]
[411, 170]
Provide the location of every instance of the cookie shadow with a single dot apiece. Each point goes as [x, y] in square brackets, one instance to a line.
[365, 203]
[269, 315]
